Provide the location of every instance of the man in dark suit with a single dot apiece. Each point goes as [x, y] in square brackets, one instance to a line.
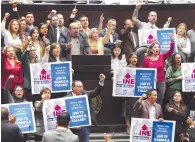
[73, 42]
[77, 90]
[10, 132]
[148, 108]
[53, 33]
[61, 26]
[113, 38]
[129, 38]
[30, 22]
[62, 133]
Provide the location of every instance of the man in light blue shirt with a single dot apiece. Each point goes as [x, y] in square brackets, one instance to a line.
[152, 19]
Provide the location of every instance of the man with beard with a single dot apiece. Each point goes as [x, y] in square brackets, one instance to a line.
[61, 26]
[113, 37]
[53, 30]
[73, 42]
[152, 19]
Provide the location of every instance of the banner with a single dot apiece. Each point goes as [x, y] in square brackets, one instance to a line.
[25, 118]
[148, 130]
[162, 36]
[56, 76]
[133, 82]
[77, 108]
[188, 73]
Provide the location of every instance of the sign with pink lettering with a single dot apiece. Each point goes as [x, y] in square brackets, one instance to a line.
[133, 82]
[148, 130]
[56, 76]
[188, 74]
[161, 36]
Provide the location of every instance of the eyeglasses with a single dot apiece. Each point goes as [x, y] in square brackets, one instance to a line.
[79, 86]
[19, 90]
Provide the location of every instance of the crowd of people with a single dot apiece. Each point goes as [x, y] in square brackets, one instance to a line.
[23, 44]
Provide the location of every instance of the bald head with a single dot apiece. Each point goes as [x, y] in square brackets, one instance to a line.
[152, 17]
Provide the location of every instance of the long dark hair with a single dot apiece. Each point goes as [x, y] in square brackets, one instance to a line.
[130, 55]
[149, 52]
[182, 105]
[174, 68]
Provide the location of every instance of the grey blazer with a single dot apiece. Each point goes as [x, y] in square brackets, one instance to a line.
[143, 109]
[60, 135]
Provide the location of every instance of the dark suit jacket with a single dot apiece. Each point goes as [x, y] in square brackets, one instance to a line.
[65, 38]
[109, 44]
[91, 94]
[10, 132]
[28, 29]
[127, 44]
[52, 34]
[143, 109]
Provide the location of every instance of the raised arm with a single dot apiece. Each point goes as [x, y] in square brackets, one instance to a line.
[3, 30]
[171, 50]
[166, 25]
[135, 16]
[73, 16]
[100, 24]
[138, 105]
[106, 37]
[7, 94]
[98, 89]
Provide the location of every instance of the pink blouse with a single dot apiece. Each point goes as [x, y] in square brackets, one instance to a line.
[159, 64]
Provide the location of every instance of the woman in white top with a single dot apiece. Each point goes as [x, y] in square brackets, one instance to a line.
[117, 59]
[13, 36]
[33, 41]
[183, 43]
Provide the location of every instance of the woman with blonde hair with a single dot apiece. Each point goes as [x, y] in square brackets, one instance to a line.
[183, 43]
[13, 36]
[96, 43]
[11, 66]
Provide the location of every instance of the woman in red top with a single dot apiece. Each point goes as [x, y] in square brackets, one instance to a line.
[156, 60]
[11, 66]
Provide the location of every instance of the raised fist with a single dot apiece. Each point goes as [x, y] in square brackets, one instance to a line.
[6, 16]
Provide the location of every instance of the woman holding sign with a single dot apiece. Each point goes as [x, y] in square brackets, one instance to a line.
[129, 102]
[155, 59]
[177, 112]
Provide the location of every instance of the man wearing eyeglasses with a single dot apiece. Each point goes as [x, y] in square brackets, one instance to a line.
[77, 90]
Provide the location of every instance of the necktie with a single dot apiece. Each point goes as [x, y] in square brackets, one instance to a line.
[133, 39]
[152, 27]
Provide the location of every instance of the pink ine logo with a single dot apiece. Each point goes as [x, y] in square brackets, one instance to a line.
[145, 131]
[150, 39]
[44, 75]
[193, 74]
[58, 110]
[128, 80]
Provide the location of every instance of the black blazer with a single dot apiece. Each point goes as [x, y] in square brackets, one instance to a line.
[53, 59]
[128, 44]
[52, 34]
[10, 132]
[91, 94]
